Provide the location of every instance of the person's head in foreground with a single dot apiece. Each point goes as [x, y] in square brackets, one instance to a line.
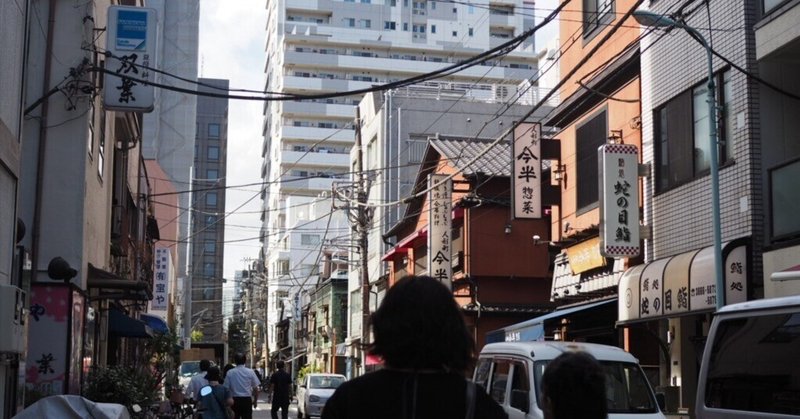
[419, 326]
[574, 387]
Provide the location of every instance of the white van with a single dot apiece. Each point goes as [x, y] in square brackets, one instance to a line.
[511, 372]
[751, 362]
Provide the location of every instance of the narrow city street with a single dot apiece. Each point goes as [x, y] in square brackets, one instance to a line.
[263, 409]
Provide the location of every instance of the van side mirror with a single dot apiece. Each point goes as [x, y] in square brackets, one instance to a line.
[661, 399]
[520, 400]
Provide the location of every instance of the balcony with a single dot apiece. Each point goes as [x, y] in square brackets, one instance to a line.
[317, 134]
[302, 183]
[321, 84]
[313, 109]
[778, 32]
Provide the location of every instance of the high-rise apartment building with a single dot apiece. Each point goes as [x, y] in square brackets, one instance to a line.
[207, 229]
[340, 46]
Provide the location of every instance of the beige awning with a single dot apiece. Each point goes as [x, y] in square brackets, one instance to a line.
[682, 284]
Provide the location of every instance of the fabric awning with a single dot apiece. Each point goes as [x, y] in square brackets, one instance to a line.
[682, 284]
[534, 329]
[122, 325]
[155, 322]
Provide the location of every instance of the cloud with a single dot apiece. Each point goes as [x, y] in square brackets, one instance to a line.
[232, 37]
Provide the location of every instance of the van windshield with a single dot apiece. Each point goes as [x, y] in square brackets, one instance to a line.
[627, 389]
[753, 364]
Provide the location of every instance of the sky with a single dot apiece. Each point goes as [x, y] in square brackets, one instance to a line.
[231, 47]
[232, 37]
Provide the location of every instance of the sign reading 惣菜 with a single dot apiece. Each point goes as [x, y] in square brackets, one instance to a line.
[131, 47]
[526, 171]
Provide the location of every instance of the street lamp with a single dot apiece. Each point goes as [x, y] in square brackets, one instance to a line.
[646, 18]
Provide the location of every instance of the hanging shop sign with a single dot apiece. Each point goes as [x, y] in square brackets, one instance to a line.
[527, 171]
[131, 47]
[440, 206]
[619, 200]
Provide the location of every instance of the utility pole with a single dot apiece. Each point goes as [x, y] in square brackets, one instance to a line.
[362, 226]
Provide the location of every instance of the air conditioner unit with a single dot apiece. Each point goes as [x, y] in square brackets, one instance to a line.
[12, 319]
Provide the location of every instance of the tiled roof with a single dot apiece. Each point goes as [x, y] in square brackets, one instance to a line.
[493, 161]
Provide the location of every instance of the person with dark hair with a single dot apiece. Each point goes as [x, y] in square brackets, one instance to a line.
[574, 387]
[420, 333]
[198, 381]
[280, 382]
[243, 383]
[213, 404]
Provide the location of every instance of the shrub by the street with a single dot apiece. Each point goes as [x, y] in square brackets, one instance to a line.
[123, 385]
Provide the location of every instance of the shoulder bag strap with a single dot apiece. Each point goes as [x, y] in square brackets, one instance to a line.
[470, 400]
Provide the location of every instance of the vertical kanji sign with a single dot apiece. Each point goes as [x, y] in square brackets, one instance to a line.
[526, 171]
[440, 206]
[619, 200]
[131, 45]
[161, 279]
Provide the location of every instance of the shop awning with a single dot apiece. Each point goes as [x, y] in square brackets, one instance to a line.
[121, 325]
[682, 284]
[406, 243]
[591, 282]
[534, 329]
[155, 322]
[124, 289]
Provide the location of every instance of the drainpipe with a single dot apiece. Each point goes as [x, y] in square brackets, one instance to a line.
[40, 159]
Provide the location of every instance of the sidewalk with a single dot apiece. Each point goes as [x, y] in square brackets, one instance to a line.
[263, 409]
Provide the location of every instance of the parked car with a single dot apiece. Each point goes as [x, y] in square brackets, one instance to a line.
[186, 371]
[751, 363]
[314, 392]
[511, 373]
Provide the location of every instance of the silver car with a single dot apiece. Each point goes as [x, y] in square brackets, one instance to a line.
[314, 392]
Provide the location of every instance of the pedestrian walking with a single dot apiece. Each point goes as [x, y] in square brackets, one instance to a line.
[574, 387]
[214, 403]
[280, 384]
[197, 382]
[243, 383]
[426, 348]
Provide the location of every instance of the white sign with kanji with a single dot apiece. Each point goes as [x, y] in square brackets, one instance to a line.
[162, 266]
[619, 200]
[526, 171]
[440, 206]
[131, 48]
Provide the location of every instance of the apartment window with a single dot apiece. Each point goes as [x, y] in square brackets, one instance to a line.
[211, 199]
[364, 23]
[681, 134]
[208, 269]
[393, 3]
[405, 26]
[471, 31]
[389, 25]
[405, 3]
[349, 1]
[349, 22]
[433, 28]
[213, 153]
[212, 174]
[282, 267]
[366, 1]
[589, 136]
[309, 239]
[211, 222]
[455, 33]
[471, 9]
[455, 10]
[210, 247]
[213, 130]
[595, 14]
[785, 200]
[419, 5]
[433, 5]
[418, 29]
[769, 5]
